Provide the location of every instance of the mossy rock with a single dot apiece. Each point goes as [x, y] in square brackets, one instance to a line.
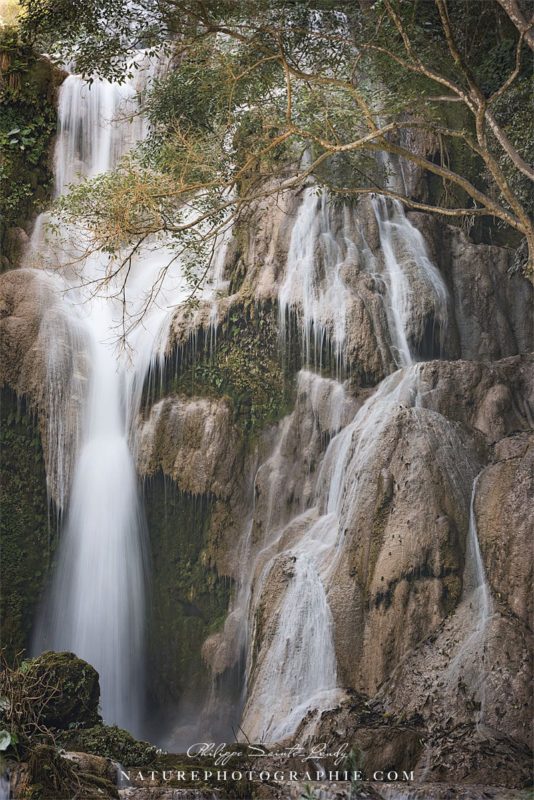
[246, 367]
[79, 689]
[189, 600]
[110, 742]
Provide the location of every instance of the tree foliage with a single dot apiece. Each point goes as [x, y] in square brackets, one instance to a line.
[260, 96]
[27, 125]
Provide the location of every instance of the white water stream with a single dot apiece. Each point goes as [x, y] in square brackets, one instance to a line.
[468, 667]
[5, 788]
[96, 605]
[319, 249]
[297, 670]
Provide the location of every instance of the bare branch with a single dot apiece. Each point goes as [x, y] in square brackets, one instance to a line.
[525, 27]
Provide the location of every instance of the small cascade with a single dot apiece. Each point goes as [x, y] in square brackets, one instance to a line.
[98, 123]
[64, 339]
[468, 665]
[308, 551]
[322, 244]
[475, 581]
[96, 604]
[298, 558]
[417, 298]
[322, 408]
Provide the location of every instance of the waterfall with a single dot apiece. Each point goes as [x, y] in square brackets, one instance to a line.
[5, 787]
[468, 664]
[321, 246]
[413, 282]
[325, 244]
[296, 670]
[96, 604]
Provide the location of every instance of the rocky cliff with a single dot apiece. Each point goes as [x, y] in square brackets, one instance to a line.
[270, 424]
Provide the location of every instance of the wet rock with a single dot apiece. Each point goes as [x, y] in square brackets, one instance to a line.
[43, 357]
[459, 676]
[403, 551]
[74, 689]
[504, 515]
[94, 765]
[370, 738]
[61, 776]
[162, 793]
[470, 755]
[367, 345]
[494, 399]
[449, 791]
[491, 307]
[194, 442]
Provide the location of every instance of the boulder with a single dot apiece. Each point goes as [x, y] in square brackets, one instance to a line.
[74, 689]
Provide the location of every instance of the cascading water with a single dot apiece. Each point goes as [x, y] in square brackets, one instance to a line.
[468, 666]
[319, 249]
[412, 281]
[96, 603]
[475, 582]
[296, 671]
[5, 788]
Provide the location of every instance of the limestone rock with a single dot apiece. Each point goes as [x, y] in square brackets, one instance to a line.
[493, 399]
[43, 356]
[505, 519]
[492, 308]
[94, 765]
[193, 441]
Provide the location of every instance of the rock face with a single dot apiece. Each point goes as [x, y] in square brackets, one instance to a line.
[26, 530]
[192, 441]
[43, 357]
[504, 520]
[316, 518]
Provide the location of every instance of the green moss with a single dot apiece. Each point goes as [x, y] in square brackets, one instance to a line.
[189, 599]
[77, 701]
[245, 366]
[110, 742]
[27, 539]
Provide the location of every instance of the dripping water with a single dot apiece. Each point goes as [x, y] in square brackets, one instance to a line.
[5, 787]
[414, 284]
[468, 666]
[320, 248]
[96, 603]
[298, 671]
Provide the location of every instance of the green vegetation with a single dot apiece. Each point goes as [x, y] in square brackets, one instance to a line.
[109, 741]
[255, 85]
[54, 777]
[27, 126]
[37, 698]
[28, 540]
[245, 367]
[189, 599]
